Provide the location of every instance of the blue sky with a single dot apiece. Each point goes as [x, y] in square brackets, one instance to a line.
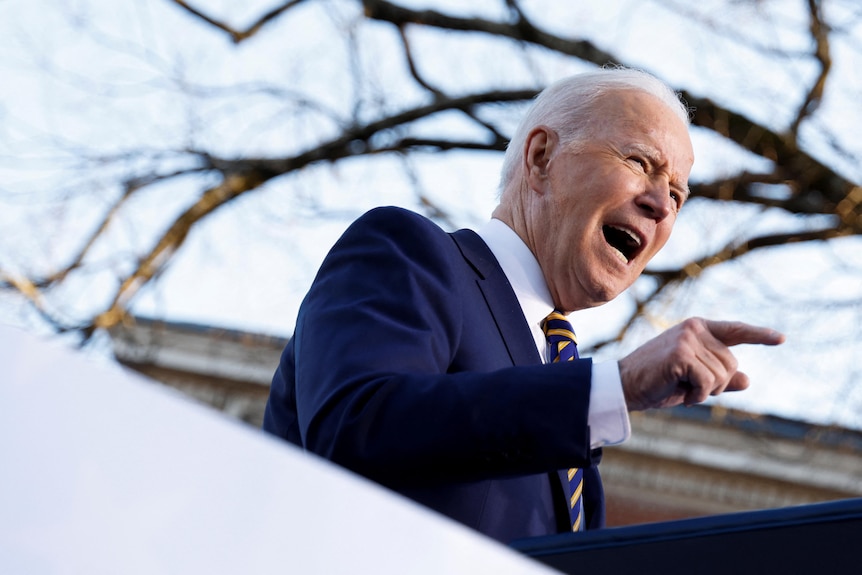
[96, 90]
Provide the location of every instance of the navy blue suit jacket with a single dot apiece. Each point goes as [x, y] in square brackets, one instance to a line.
[413, 365]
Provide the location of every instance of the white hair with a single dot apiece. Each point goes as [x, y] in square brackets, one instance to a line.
[566, 107]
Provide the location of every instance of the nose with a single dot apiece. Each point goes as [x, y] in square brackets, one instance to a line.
[655, 201]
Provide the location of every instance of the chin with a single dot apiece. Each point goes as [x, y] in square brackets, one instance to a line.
[596, 291]
[607, 293]
[596, 298]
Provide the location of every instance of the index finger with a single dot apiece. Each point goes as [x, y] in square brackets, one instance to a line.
[737, 332]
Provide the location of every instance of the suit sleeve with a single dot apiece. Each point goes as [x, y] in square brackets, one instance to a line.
[376, 390]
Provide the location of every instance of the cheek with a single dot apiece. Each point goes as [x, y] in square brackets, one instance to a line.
[662, 235]
[666, 227]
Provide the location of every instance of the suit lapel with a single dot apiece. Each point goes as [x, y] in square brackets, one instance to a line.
[501, 299]
[510, 320]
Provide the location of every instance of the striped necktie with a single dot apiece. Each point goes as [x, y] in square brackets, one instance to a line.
[563, 346]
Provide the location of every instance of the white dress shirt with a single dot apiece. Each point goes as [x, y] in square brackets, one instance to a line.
[608, 416]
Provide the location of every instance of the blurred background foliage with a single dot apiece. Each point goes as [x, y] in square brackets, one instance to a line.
[195, 160]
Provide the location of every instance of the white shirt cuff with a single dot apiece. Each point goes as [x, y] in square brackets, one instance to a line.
[608, 417]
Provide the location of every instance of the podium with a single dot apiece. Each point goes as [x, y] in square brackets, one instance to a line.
[104, 472]
[819, 538]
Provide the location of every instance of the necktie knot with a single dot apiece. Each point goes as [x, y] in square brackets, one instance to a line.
[562, 342]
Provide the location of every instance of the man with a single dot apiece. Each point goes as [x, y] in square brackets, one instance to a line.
[419, 358]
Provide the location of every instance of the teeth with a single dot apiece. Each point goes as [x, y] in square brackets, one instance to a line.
[629, 233]
[624, 241]
[620, 255]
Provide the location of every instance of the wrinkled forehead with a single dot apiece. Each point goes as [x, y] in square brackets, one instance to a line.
[639, 118]
[629, 106]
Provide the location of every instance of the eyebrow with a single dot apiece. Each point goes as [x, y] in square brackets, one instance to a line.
[655, 157]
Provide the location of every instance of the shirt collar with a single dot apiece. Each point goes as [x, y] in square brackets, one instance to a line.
[524, 274]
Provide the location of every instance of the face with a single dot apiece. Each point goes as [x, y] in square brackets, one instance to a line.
[599, 210]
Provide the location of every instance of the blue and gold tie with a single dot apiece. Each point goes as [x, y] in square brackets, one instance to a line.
[563, 346]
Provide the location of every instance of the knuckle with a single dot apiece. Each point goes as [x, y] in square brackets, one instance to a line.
[693, 329]
[692, 324]
[732, 363]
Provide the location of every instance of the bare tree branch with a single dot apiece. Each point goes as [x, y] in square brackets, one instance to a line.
[795, 180]
[35, 298]
[820, 35]
[521, 30]
[160, 255]
[735, 250]
[239, 35]
[812, 182]
[411, 63]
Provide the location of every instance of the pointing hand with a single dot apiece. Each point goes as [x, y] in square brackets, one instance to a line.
[688, 363]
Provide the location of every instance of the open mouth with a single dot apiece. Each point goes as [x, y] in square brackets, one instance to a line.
[623, 240]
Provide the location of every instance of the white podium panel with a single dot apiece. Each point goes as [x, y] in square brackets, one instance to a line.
[104, 472]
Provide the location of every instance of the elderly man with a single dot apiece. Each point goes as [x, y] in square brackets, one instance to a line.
[443, 365]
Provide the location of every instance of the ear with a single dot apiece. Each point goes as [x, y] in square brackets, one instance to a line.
[538, 149]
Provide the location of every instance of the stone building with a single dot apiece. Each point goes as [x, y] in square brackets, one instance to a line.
[679, 463]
